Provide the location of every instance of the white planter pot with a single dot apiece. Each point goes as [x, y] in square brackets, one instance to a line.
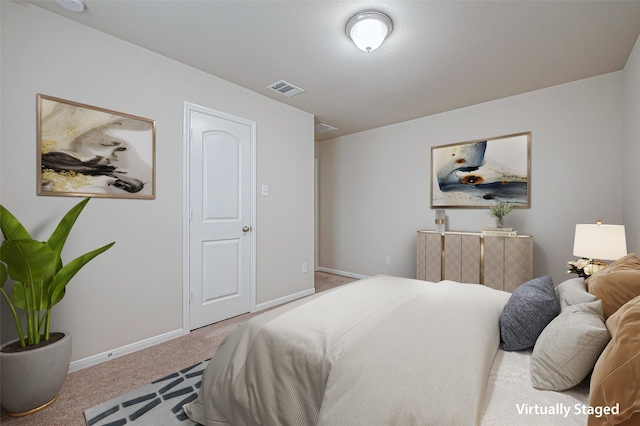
[31, 380]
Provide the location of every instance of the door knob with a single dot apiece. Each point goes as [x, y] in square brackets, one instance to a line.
[246, 228]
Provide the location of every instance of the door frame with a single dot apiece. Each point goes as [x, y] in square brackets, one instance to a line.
[186, 211]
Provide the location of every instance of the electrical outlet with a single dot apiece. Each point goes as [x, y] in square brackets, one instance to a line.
[387, 260]
[304, 268]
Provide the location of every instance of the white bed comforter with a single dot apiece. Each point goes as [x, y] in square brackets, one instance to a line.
[380, 351]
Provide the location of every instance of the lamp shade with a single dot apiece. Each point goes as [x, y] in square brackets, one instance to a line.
[605, 242]
[369, 29]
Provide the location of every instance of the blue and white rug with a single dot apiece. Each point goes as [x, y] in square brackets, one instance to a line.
[156, 404]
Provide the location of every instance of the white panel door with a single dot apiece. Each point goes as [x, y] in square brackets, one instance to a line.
[220, 226]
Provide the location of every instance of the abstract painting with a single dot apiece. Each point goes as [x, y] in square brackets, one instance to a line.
[476, 174]
[93, 152]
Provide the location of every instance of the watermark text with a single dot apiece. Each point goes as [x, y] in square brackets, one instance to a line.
[560, 409]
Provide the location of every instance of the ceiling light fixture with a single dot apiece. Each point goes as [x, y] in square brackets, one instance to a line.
[369, 29]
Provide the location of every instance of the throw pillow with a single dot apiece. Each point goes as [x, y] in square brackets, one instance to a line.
[616, 284]
[616, 375]
[573, 292]
[527, 312]
[569, 347]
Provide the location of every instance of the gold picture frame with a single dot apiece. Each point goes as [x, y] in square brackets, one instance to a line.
[477, 173]
[86, 151]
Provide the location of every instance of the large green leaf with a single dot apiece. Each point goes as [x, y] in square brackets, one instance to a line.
[36, 300]
[59, 237]
[64, 275]
[12, 229]
[28, 261]
[19, 295]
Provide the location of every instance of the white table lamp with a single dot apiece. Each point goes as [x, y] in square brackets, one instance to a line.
[598, 242]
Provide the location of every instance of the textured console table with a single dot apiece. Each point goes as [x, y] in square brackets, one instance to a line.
[502, 263]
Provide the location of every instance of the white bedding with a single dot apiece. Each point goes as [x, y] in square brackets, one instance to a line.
[511, 400]
[380, 351]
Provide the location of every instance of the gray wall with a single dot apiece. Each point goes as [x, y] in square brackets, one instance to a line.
[133, 292]
[631, 153]
[374, 185]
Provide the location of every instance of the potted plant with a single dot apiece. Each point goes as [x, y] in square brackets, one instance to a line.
[35, 366]
[499, 210]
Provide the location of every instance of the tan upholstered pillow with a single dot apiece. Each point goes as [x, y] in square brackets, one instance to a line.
[613, 322]
[616, 284]
[616, 375]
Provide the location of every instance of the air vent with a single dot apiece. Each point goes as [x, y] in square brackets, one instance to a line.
[285, 88]
[324, 128]
[72, 5]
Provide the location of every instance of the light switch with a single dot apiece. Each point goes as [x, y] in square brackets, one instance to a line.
[265, 190]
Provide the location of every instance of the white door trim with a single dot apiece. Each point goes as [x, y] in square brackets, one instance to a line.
[186, 201]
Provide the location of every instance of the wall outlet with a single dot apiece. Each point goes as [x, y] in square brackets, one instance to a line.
[387, 260]
[305, 268]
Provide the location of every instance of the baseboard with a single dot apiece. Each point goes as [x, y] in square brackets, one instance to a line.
[343, 273]
[285, 299]
[124, 350]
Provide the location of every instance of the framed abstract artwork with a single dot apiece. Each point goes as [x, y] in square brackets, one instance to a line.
[94, 152]
[476, 174]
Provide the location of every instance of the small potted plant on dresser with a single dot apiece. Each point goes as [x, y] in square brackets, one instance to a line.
[499, 210]
[34, 367]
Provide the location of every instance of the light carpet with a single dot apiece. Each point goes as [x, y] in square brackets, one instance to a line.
[158, 403]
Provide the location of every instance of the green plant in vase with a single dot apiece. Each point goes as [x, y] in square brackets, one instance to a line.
[499, 210]
[39, 276]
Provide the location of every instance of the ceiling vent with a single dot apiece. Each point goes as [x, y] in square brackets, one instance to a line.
[285, 88]
[72, 5]
[324, 128]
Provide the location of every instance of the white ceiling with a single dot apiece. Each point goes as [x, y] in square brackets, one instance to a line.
[441, 55]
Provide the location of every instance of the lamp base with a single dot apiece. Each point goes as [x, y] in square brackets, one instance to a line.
[597, 266]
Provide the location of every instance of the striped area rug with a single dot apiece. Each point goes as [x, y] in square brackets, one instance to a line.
[158, 403]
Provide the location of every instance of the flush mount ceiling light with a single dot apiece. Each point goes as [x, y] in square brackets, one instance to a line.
[369, 29]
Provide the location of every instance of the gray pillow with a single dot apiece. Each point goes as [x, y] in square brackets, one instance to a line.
[573, 292]
[530, 308]
[569, 347]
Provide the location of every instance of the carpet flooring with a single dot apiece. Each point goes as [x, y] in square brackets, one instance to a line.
[94, 385]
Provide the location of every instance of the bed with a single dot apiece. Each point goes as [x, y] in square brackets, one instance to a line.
[381, 351]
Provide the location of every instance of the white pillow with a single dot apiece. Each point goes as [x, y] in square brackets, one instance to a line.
[569, 347]
[572, 292]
